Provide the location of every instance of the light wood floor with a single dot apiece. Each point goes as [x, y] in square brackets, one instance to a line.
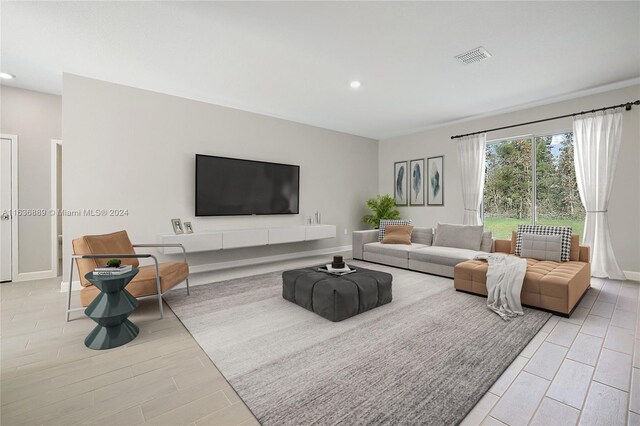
[48, 376]
[584, 370]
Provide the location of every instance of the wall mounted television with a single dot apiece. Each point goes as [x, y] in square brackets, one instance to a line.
[233, 186]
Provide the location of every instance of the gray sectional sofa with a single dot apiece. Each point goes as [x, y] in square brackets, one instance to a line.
[432, 251]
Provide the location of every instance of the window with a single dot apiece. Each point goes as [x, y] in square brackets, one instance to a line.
[519, 190]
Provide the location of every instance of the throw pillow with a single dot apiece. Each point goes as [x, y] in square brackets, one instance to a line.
[385, 222]
[459, 236]
[564, 231]
[514, 238]
[542, 247]
[397, 234]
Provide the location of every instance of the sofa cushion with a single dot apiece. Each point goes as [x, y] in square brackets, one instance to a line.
[394, 250]
[542, 247]
[487, 242]
[449, 256]
[422, 236]
[397, 234]
[459, 236]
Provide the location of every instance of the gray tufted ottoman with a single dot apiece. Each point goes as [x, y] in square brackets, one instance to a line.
[337, 297]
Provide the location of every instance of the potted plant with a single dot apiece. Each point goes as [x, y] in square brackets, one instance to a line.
[382, 207]
[114, 263]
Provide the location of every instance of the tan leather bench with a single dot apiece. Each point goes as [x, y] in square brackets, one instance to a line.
[548, 285]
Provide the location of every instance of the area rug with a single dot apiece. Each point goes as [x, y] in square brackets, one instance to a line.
[425, 358]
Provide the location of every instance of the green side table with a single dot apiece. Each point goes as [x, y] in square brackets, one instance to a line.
[110, 309]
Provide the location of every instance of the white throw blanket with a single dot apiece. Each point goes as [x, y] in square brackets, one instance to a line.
[504, 283]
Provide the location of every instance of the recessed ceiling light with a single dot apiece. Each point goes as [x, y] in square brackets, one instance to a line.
[6, 76]
[355, 84]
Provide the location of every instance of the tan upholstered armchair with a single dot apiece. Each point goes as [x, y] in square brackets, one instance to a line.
[93, 251]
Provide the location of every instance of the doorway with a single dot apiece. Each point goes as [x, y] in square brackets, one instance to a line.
[56, 206]
[8, 206]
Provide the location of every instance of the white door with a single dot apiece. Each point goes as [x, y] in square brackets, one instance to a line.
[5, 209]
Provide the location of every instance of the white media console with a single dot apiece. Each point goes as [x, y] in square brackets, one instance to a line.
[221, 240]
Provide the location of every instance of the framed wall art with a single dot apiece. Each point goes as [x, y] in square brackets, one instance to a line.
[435, 181]
[400, 183]
[416, 187]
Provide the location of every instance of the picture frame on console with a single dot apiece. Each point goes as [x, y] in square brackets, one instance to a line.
[188, 228]
[416, 186]
[177, 226]
[435, 181]
[400, 180]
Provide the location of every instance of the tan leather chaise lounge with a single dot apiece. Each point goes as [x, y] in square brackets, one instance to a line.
[552, 286]
[92, 251]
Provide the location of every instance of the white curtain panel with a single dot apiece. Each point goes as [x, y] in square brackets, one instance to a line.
[471, 157]
[597, 139]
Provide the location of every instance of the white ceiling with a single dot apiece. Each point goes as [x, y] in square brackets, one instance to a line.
[295, 60]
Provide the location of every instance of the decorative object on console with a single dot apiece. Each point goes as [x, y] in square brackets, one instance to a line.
[338, 262]
[114, 263]
[400, 183]
[382, 207]
[416, 190]
[188, 228]
[564, 231]
[435, 165]
[386, 222]
[397, 234]
[177, 226]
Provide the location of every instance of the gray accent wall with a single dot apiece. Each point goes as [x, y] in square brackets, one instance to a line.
[37, 119]
[624, 208]
[127, 148]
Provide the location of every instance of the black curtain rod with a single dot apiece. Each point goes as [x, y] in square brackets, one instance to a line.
[627, 106]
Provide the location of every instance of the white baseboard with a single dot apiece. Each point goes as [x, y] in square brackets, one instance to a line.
[38, 275]
[632, 275]
[208, 268]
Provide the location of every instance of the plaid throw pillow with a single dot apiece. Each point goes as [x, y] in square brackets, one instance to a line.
[385, 222]
[564, 231]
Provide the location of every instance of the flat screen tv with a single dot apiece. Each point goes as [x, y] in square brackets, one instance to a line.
[232, 186]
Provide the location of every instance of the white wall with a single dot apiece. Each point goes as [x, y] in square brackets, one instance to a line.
[127, 148]
[36, 118]
[624, 209]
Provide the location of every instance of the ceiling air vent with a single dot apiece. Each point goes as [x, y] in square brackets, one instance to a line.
[474, 55]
